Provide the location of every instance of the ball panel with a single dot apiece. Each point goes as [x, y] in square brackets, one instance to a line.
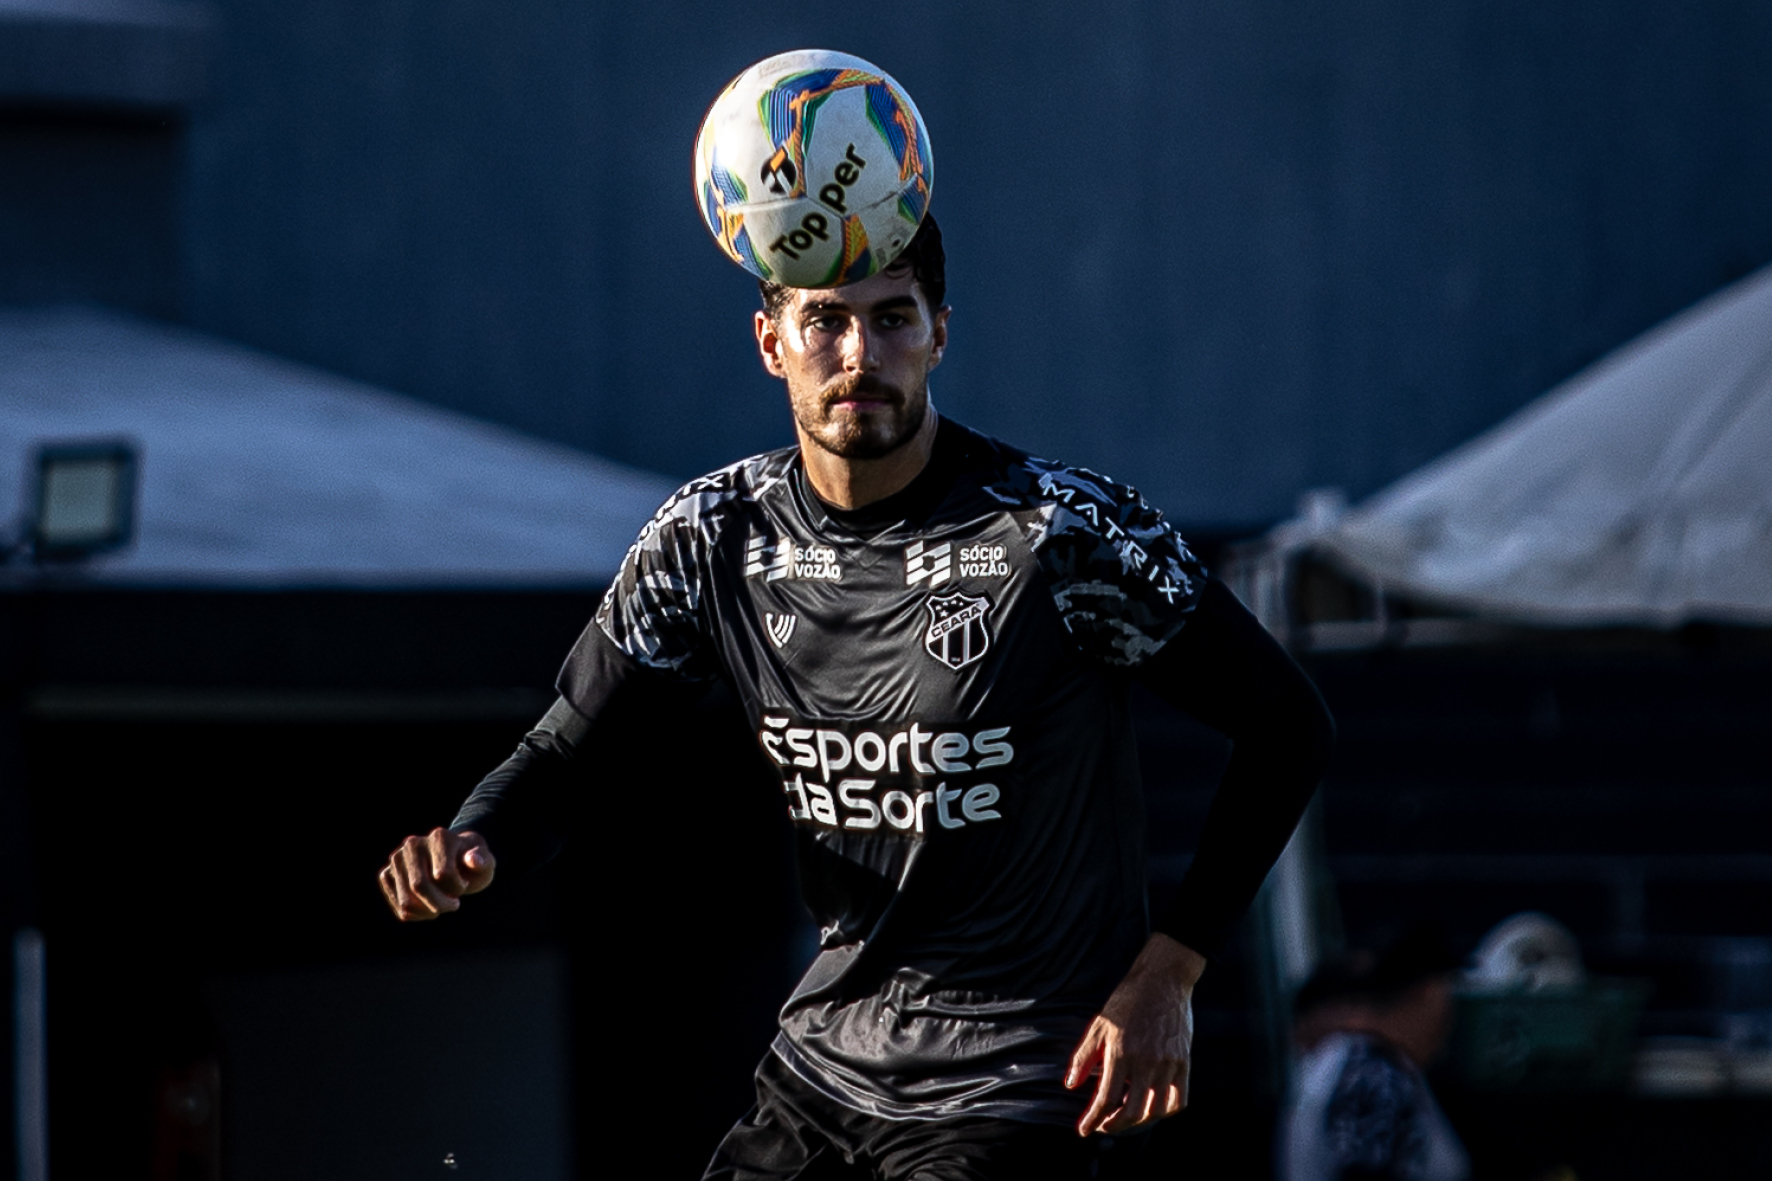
[744, 253]
[913, 203]
[789, 109]
[854, 261]
[722, 210]
[917, 172]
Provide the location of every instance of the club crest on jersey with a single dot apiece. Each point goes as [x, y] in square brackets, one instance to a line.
[959, 628]
[781, 627]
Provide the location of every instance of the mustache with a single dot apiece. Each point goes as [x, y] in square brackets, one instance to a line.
[865, 383]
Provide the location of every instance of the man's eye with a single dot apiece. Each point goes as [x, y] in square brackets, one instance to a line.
[825, 324]
[894, 320]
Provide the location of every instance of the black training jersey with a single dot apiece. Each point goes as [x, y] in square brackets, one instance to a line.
[943, 694]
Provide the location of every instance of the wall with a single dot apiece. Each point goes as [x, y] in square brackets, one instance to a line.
[1227, 252]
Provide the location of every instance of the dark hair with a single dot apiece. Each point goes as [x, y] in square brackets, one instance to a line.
[923, 254]
[1379, 975]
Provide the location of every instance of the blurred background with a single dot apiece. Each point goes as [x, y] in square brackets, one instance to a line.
[344, 346]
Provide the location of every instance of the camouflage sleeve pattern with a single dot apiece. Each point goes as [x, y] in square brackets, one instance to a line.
[654, 610]
[1124, 583]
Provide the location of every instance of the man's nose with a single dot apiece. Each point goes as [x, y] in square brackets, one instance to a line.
[858, 348]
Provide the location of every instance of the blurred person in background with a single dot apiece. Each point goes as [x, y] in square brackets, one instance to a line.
[1367, 1024]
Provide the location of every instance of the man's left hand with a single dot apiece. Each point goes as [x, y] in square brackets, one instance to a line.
[1139, 1044]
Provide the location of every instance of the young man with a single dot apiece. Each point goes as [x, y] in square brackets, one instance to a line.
[933, 635]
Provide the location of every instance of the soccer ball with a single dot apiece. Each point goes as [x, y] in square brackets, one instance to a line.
[812, 169]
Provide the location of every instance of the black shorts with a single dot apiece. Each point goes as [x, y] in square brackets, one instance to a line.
[797, 1132]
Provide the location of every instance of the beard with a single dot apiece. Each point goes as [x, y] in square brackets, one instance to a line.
[876, 430]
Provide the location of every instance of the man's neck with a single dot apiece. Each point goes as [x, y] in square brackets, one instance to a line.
[856, 483]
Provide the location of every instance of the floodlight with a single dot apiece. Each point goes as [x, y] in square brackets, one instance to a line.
[85, 499]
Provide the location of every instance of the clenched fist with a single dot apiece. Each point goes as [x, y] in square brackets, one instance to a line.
[427, 876]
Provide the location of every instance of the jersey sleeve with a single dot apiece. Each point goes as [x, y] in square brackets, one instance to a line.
[646, 648]
[654, 613]
[1123, 581]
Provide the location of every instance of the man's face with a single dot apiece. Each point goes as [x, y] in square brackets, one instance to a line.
[856, 361]
[1422, 1019]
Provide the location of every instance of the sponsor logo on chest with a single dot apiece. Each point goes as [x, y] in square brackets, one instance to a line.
[928, 563]
[781, 627]
[935, 564]
[907, 779]
[775, 558]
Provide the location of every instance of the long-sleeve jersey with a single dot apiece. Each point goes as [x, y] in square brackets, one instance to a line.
[940, 681]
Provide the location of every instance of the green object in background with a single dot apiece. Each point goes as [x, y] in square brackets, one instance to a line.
[1577, 1039]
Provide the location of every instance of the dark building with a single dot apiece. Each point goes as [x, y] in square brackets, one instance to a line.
[1228, 253]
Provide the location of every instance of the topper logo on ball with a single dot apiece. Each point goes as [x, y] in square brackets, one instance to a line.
[779, 173]
[813, 225]
[835, 195]
[847, 172]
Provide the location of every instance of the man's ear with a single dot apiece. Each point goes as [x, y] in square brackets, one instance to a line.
[768, 344]
[938, 335]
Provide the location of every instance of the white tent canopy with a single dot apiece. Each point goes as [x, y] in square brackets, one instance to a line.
[259, 472]
[1638, 492]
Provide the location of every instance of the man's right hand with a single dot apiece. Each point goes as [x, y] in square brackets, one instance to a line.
[427, 876]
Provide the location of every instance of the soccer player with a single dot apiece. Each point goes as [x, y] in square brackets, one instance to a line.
[933, 635]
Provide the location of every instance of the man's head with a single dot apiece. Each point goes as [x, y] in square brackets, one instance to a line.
[1401, 992]
[856, 359]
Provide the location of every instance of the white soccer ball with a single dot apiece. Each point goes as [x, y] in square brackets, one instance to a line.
[812, 169]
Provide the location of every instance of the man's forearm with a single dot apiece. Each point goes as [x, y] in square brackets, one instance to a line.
[1258, 805]
[520, 806]
[1170, 956]
[1226, 670]
[524, 807]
